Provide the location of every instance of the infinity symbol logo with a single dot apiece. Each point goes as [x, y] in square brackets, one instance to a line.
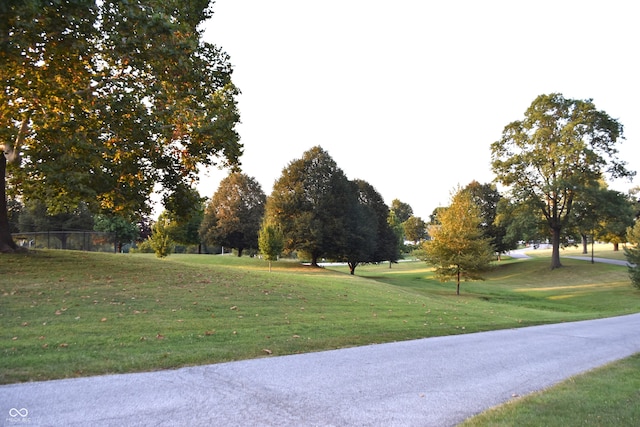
[18, 412]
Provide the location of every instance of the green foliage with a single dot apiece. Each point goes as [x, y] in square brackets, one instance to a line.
[322, 214]
[415, 229]
[233, 216]
[103, 101]
[487, 198]
[160, 240]
[126, 231]
[270, 242]
[311, 202]
[36, 217]
[186, 211]
[143, 247]
[561, 147]
[632, 254]
[458, 248]
[401, 210]
[603, 214]
[370, 238]
[398, 230]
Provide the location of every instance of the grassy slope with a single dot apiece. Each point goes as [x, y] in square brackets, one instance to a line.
[65, 314]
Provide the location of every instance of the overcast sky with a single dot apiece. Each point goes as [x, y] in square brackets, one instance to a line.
[408, 95]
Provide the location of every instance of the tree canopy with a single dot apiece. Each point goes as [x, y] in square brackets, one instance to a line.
[458, 249]
[308, 203]
[401, 210]
[270, 242]
[104, 101]
[561, 147]
[415, 229]
[371, 239]
[633, 254]
[487, 198]
[233, 217]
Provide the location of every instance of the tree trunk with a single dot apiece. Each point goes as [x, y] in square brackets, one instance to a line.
[458, 285]
[555, 248]
[352, 267]
[616, 247]
[240, 252]
[6, 241]
[585, 244]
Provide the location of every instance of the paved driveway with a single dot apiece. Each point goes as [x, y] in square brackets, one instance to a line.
[428, 382]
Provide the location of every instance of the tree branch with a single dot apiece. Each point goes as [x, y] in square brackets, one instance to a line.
[12, 152]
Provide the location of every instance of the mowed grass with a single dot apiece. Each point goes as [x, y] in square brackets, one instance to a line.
[600, 250]
[66, 314]
[606, 396]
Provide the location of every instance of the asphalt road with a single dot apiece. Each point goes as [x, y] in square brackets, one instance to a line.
[428, 382]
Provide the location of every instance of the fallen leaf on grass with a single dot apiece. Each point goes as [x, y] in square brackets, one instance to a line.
[266, 350]
[160, 337]
[104, 319]
[208, 333]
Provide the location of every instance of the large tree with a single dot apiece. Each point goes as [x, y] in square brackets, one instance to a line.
[415, 229]
[371, 239]
[401, 210]
[560, 147]
[603, 214]
[102, 102]
[487, 198]
[458, 249]
[311, 203]
[233, 217]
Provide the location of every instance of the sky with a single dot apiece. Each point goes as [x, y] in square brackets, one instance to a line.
[409, 95]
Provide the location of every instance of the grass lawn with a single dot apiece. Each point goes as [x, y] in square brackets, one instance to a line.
[606, 396]
[600, 250]
[66, 314]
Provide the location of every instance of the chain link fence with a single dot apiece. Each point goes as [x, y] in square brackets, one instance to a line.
[93, 241]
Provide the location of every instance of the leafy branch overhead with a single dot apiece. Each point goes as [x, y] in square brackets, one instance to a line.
[104, 102]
